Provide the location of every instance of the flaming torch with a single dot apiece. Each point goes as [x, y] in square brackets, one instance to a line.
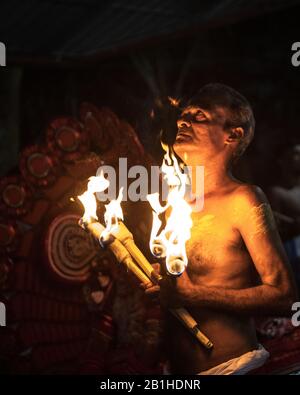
[89, 221]
[120, 241]
[170, 242]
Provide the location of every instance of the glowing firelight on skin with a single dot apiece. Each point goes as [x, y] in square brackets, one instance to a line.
[170, 242]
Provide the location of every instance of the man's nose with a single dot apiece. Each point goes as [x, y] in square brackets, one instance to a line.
[183, 123]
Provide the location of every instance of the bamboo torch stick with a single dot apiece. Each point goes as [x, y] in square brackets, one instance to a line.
[188, 321]
[126, 238]
[117, 248]
[123, 234]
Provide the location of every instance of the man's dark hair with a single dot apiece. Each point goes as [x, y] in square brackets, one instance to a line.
[239, 111]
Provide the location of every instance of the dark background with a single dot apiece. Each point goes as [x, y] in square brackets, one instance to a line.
[131, 57]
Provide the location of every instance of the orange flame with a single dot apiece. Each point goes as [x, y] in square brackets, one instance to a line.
[174, 102]
[113, 212]
[88, 199]
[170, 242]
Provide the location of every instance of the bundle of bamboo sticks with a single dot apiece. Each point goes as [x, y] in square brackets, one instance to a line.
[120, 241]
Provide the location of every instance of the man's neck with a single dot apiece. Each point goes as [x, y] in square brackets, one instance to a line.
[216, 174]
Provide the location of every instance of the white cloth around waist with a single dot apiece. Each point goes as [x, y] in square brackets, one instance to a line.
[240, 365]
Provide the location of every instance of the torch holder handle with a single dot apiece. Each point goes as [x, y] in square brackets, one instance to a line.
[128, 254]
[125, 237]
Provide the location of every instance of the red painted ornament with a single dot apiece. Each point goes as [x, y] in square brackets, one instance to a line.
[9, 235]
[38, 166]
[67, 139]
[15, 196]
[6, 265]
[68, 249]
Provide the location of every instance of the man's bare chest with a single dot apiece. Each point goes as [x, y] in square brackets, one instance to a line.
[214, 229]
[215, 246]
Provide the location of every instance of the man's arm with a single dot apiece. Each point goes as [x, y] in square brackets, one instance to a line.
[277, 291]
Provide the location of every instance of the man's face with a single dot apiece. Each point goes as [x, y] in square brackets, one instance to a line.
[200, 131]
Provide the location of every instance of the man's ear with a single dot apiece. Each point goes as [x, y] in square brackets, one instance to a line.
[235, 135]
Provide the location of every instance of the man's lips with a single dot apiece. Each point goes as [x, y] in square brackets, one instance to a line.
[183, 134]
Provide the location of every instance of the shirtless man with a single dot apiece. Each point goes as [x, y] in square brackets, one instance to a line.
[237, 266]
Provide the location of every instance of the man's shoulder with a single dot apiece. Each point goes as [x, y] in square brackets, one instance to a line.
[245, 196]
[249, 192]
